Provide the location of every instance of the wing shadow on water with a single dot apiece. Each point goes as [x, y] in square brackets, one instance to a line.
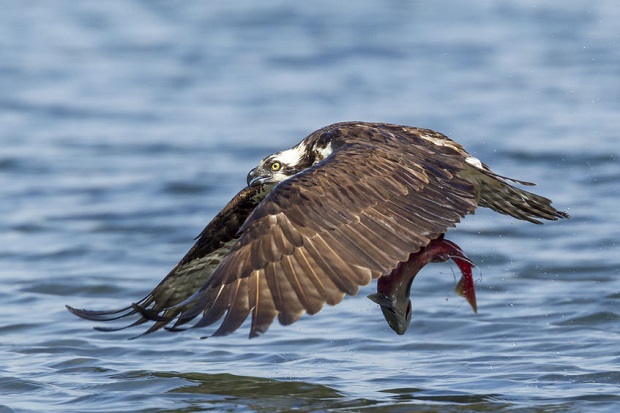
[245, 393]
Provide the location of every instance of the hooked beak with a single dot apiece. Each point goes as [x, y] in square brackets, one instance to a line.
[257, 176]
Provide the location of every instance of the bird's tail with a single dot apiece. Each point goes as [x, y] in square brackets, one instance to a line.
[496, 193]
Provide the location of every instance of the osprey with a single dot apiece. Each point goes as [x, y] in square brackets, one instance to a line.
[352, 202]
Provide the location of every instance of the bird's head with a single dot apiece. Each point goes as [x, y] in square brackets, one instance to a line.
[280, 166]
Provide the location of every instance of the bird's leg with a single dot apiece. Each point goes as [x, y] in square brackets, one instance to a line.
[393, 289]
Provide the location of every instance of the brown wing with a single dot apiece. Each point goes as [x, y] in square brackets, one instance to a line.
[192, 272]
[381, 195]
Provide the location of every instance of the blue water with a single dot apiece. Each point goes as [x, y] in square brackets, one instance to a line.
[126, 126]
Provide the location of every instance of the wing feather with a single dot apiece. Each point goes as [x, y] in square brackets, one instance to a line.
[352, 252]
[330, 269]
[324, 285]
[285, 300]
[347, 275]
[264, 310]
[311, 299]
[238, 310]
[390, 238]
[219, 302]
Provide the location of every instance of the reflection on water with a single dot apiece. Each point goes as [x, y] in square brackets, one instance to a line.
[268, 395]
[257, 393]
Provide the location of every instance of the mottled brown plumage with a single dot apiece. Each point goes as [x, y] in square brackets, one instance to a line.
[346, 205]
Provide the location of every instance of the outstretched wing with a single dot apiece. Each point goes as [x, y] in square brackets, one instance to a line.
[382, 194]
[192, 272]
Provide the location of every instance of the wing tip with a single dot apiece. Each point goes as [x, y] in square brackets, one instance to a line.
[101, 315]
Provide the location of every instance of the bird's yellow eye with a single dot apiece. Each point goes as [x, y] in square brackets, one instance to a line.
[276, 166]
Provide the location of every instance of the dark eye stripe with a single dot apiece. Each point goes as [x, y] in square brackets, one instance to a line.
[288, 170]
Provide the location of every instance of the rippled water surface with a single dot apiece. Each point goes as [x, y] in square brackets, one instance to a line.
[126, 126]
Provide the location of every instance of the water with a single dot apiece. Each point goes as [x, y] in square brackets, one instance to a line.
[125, 126]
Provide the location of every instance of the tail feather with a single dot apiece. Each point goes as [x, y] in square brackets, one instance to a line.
[518, 203]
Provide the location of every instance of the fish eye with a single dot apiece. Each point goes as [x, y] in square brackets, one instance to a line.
[276, 166]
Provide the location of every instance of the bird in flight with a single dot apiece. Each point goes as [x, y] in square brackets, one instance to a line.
[352, 202]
